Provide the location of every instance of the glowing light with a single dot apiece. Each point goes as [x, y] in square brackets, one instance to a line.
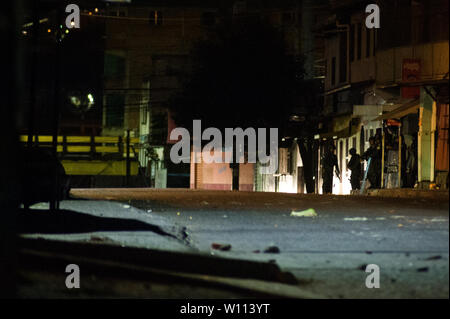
[72, 23]
[90, 13]
[24, 32]
[49, 30]
[286, 184]
[96, 9]
[75, 100]
[67, 31]
[90, 98]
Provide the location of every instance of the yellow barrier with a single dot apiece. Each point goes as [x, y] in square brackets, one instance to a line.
[87, 144]
[84, 167]
[65, 141]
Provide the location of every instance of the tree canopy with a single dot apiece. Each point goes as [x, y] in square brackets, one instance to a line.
[242, 76]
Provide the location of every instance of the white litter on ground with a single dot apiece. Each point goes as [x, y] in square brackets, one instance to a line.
[353, 219]
[436, 220]
[304, 213]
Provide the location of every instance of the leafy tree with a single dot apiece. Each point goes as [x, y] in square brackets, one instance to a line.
[242, 76]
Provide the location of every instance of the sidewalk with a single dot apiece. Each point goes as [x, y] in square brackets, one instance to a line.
[117, 244]
[103, 222]
[410, 193]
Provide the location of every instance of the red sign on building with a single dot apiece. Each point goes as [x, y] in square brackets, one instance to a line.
[410, 73]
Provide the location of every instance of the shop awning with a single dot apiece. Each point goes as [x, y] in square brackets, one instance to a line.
[403, 110]
[345, 132]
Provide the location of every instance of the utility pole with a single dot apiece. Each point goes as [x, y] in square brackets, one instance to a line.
[34, 48]
[54, 203]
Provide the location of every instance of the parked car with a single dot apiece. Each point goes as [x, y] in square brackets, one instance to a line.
[37, 177]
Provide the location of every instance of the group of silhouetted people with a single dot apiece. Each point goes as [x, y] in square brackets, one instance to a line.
[330, 162]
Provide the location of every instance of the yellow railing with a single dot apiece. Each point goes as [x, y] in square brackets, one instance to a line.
[87, 144]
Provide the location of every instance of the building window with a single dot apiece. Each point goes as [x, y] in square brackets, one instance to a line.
[117, 12]
[368, 33]
[352, 43]
[114, 67]
[343, 57]
[374, 46]
[358, 40]
[335, 102]
[115, 110]
[156, 17]
[333, 70]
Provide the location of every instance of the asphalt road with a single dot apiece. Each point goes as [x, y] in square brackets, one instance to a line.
[328, 253]
[407, 239]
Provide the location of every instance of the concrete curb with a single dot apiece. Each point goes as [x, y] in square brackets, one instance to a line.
[406, 193]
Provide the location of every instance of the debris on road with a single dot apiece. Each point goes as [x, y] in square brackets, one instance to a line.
[272, 250]
[397, 217]
[100, 239]
[423, 269]
[438, 220]
[222, 247]
[356, 219]
[363, 267]
[97, 238]
[304, 213]
[437, 257]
